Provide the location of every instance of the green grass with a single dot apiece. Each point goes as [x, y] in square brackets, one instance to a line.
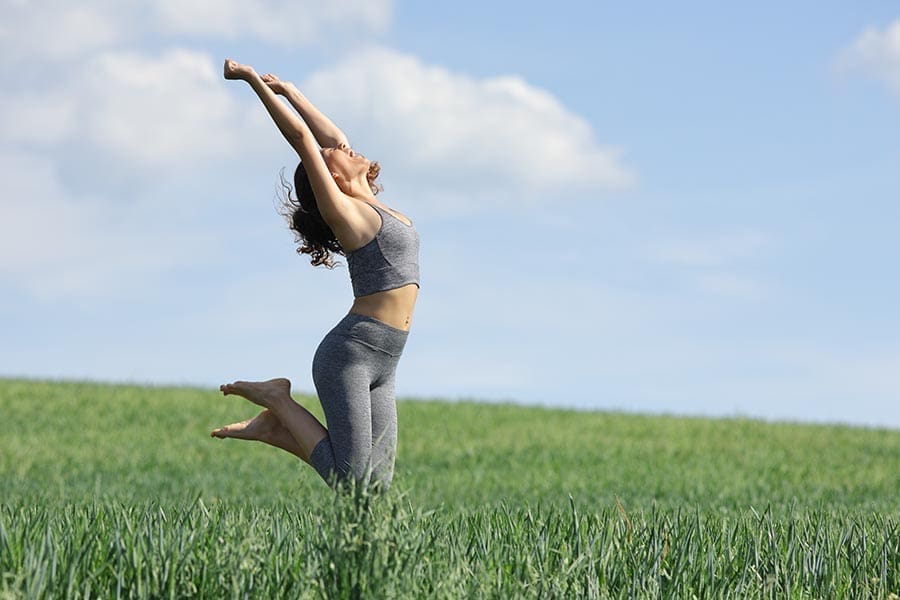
[117, 491]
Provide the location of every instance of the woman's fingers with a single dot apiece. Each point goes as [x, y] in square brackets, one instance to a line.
[270, 80]
[275, 84]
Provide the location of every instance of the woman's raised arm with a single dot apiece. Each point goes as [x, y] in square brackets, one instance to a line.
[327, 133]
[291, 126]
[331, 200]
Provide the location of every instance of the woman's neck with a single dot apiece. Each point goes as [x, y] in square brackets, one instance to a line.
[360, 189]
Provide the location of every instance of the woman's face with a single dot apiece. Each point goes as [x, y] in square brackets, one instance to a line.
[345, 162]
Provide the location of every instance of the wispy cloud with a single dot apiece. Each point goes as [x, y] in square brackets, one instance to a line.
[876, 52]
[731, 284]
[712, 251]
[716, 264]
[55, 244]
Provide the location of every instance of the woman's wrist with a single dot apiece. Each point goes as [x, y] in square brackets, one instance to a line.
[292, 93]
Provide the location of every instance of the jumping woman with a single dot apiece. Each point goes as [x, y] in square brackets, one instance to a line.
[336, 212]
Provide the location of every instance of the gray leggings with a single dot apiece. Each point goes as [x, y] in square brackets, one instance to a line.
[353, 371]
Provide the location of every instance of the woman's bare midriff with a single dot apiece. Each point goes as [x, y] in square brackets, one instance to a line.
[394, 307]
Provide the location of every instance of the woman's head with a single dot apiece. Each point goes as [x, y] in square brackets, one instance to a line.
[311, 232]
[348, 168]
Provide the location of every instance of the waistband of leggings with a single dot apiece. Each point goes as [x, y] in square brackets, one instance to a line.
[375, 332]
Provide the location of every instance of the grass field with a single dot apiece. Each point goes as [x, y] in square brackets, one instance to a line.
[117, 491]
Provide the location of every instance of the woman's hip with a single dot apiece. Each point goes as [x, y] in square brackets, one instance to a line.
[370, 332]
[359, 342]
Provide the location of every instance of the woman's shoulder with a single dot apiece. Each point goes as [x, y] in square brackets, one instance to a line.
[360, 223]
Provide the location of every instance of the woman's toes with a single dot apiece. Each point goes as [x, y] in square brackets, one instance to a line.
[230, 431]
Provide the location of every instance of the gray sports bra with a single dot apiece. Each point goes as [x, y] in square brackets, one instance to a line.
[389, 261]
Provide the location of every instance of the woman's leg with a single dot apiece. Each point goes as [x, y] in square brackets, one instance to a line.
[342, 380]
[384, 432]
[275, 395]
[354, 373]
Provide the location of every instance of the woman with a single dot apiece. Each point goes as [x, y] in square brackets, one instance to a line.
[353, 370]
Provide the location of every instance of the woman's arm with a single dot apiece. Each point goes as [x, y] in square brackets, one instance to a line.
[330, 199]
[327, 133]
[291, 126]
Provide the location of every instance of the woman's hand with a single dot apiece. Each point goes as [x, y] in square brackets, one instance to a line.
[276, 85]
[234, 70]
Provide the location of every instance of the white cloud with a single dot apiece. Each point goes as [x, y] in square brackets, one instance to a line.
[159, 111]
[441, 126]
[34, 32]
[93, 94]
[38, 117]
[61, 31]
[170, 111]
[876, 52]
[276, 22]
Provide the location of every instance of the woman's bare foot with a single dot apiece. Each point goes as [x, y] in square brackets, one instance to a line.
[264, 427]
[261, 428]
[298, 430]
[264, 393]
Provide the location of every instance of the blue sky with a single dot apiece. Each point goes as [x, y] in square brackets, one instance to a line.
[685, 209]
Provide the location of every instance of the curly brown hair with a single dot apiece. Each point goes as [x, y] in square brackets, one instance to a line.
[311, 232]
